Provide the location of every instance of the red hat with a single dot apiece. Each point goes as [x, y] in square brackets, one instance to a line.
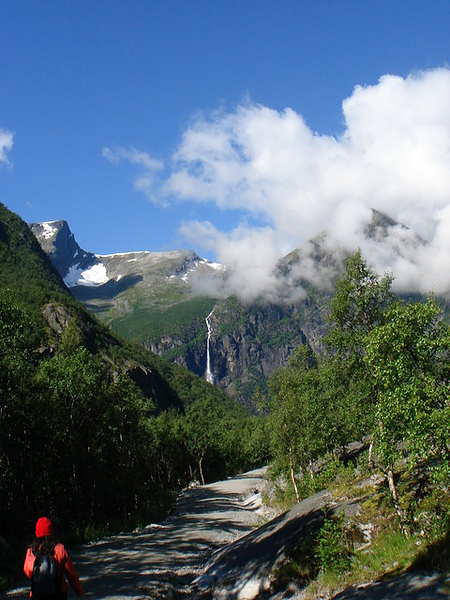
[44, 527]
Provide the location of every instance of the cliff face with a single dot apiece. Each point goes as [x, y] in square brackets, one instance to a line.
[247, 343]
[59, 243]
[153, 298]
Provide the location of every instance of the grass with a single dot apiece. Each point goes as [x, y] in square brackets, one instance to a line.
[366, 543]
[151, 323]
[390, 553]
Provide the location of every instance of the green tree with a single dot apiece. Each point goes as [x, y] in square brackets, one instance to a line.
[16, 410]
[168, 452]
[409, 357]
[358, 306]
[319, 408]
[299, 417]
[94, 421]
[202, 423]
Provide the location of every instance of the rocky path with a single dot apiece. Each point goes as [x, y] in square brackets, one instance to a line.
[211, 540]
[150, 562]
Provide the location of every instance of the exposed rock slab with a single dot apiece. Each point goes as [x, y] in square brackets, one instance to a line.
[242, 570]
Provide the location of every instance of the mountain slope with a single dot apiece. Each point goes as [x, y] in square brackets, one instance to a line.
[163, 301]
[84, 434]
[27, 273]
[152, 298]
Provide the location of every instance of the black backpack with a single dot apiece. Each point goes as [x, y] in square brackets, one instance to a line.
[46, 578]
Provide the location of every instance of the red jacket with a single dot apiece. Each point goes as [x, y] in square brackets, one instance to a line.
[66, 567]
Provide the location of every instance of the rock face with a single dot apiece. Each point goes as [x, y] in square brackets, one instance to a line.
[249, 342]
[242, 570]
[162, 300]
[59, 243]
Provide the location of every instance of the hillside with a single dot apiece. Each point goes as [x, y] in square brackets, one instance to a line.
[162, 301]
[29, 275]
[94, 430]
[381, 379]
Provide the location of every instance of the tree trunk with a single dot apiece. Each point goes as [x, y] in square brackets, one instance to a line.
[398, 508]
[294, 483]
[291, 463]
[371, 454]
[200, 470]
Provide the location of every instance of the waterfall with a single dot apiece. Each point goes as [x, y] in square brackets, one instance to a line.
[208, 375]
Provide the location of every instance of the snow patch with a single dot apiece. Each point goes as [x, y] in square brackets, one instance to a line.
[213, 265]
[124, 254]
[96, 275]
[49, 229]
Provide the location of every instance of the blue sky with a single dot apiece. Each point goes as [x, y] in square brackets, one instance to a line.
[112, 112]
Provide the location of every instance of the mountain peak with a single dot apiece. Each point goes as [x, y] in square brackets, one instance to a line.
[58, 242]
[113, 272]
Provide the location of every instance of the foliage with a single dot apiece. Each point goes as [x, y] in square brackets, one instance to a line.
[94, 432]
[358, 304]
[384, 377]
[333, 548]
[431, 516]
[409, 359]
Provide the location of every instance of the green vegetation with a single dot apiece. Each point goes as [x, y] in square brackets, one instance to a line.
[97, 433]
[179, 320]
[332, 546]
[384, 380]
[361, 540]
[100, 434]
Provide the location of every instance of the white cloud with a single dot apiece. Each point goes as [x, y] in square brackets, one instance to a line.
[248, 273]
[393, 155]
[6, 144]
[147, 180]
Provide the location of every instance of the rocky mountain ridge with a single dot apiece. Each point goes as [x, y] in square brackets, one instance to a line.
[162, 300]
[80, 268]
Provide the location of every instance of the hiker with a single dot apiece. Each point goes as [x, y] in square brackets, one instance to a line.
[47, 564]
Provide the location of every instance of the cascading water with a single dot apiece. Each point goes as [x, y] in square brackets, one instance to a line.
[208, 375]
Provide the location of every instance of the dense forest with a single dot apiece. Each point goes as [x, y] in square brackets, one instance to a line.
[100, 434]
[97, 433]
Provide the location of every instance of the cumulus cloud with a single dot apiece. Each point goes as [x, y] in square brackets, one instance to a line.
[393, 155]
[6, 143]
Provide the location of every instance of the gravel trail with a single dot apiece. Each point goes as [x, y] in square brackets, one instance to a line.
[162, 560]
[149, 562]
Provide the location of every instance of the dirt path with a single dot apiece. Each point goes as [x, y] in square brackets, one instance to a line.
[162, 560]
[149, 562]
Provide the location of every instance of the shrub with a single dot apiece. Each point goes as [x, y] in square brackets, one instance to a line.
[333, 549]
